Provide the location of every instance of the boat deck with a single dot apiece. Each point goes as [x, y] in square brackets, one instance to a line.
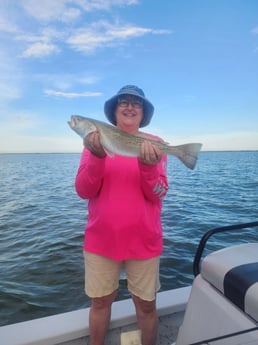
[72, 328]
[168, 329]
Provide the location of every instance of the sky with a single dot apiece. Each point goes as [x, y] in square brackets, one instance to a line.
[196, 60]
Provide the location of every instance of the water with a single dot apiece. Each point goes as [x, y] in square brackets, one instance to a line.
[42, 223]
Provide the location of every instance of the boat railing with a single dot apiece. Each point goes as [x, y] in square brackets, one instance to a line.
[208, 234]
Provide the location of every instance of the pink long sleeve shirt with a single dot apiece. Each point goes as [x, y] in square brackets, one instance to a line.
[124, 208]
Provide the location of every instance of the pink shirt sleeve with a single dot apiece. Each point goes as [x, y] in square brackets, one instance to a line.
[154, 180]
[89, 176]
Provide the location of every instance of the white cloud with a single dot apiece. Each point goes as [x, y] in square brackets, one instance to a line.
[46, 34]
[40, 49]
[104, 34]
[64, 81]
[42, 44]
[71, 94]
[91, 5]
[68, 10]
[38, 40]
[49, 10]
[85, 39]
[7, 26]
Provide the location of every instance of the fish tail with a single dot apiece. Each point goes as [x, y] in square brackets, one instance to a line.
[188, 154]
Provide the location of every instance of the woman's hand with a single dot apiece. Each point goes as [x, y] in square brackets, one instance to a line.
[92, 143]
[150, 154]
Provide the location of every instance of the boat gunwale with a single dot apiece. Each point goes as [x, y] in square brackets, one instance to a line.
[69, 326]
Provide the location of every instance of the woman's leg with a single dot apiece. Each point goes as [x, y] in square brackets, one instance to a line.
[100, 312]
[101, 283]
[143, 283]
[147, 320]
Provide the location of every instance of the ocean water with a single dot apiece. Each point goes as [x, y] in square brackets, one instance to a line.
[42, 223]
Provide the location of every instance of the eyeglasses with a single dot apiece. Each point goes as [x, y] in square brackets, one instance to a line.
[124, 103]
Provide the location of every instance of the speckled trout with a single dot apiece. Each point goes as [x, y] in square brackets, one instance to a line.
[116, 141]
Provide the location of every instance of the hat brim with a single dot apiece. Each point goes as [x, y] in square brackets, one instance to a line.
[111, 104]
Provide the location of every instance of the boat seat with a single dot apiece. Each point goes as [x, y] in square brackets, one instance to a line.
[234, 272]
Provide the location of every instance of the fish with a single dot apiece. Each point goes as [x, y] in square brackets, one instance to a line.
[118, 142]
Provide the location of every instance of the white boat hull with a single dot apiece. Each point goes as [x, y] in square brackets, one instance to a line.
[70, 327]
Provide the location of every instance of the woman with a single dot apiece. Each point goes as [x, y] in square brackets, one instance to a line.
[124, 226]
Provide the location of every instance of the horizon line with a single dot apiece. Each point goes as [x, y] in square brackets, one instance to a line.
[79, 152]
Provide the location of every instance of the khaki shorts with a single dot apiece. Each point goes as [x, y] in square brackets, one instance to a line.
[102, 276]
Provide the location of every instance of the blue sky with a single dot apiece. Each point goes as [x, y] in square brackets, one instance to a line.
[196, 60]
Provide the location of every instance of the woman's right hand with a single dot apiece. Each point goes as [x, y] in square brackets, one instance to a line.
[92, 143]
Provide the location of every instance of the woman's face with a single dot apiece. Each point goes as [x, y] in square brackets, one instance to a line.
[129, 113]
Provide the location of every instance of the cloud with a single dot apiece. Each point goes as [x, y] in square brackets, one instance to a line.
[39, 39]
[92, 5]
[45, 34]
[64, 81]
[88, 39]
[7, 26]
[71, 94]
[103, 34]
[40, 50]
[68, 10]
[42, 44]
[49, 10]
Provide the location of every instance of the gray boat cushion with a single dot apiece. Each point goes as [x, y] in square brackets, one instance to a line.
[234, 272]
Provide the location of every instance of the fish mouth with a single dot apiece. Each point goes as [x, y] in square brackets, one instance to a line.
[72, 121]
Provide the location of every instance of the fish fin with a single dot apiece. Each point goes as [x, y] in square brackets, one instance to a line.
[188, 154]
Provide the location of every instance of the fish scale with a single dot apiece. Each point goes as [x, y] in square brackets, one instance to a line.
[116, 141]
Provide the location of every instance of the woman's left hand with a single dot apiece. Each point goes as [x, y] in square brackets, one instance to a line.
[150, 154]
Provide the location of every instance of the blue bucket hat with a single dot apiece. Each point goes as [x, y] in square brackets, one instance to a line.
[110, 105]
